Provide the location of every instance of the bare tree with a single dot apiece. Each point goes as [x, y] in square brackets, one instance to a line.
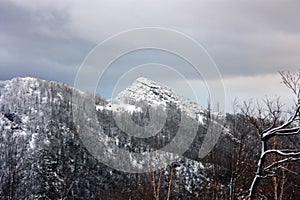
[13, 146]
[239, 166]
[276, 128]
[157, 177]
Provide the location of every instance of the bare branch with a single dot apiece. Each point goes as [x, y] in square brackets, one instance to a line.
[292, 81]
[291, 159]
[293, 172]
[274, 108]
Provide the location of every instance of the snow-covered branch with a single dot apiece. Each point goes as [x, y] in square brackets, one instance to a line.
[271, 132]
[292, 81]
[285, 152]
[288, 131]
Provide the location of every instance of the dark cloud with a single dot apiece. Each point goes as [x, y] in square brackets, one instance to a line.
[50, 39]
[37, 44]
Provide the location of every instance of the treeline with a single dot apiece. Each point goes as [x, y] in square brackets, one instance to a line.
[42, 156]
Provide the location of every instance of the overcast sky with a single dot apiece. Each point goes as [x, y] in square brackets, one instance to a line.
[250, 41]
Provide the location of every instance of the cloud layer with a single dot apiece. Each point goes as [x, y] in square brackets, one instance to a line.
[249, 41]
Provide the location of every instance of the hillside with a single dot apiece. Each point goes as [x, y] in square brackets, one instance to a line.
[60, 143]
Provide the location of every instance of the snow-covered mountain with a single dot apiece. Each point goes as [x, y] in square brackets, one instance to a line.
[37, 124]
[144, 91]
[37, 127]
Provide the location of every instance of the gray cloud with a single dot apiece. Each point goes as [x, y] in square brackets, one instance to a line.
[50, 39]
[37, 44]
[244, 38]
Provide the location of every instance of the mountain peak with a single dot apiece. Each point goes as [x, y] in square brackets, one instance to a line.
[142, 79]
[146, 81]
[145, 89]
[153, 93]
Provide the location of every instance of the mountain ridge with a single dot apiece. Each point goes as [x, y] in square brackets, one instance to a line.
[45, 109]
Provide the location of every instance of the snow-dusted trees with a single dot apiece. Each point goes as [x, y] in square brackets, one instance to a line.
[55, 162]
[44, 158]
[13, 158]
[278, 137]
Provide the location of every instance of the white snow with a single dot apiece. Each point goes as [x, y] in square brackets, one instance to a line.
[156, 94]
[21, 133]
[119, 106]
[60, 96]
[32, 141]
[25, 119]
[200, 118]
[100, 108]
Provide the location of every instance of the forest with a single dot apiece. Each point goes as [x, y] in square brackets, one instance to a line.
[43, 156]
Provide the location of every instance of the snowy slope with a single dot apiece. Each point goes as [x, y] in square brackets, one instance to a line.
[39, 104]
[153, 94]
[156, 94]
[28, 100]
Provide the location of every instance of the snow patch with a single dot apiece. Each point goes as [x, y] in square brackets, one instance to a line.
[60, 96]
[116, 106]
